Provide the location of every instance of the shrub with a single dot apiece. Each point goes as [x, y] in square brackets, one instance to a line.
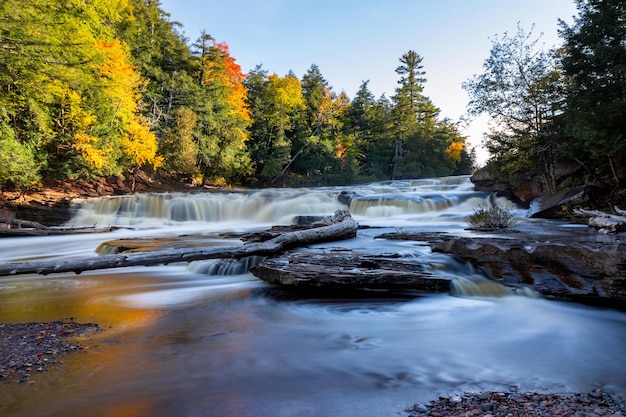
[490, 218]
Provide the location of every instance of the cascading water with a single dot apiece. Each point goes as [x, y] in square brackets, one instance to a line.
[210, 339]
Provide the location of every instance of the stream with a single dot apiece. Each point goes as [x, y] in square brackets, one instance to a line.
[210, 339]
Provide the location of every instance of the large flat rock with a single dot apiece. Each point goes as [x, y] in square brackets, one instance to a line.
[346, 270]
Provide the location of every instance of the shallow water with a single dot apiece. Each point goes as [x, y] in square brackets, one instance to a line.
[180, 341]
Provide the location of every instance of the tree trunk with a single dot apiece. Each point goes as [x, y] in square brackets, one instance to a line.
[338, 227]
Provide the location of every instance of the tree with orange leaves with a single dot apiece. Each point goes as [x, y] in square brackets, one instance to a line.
[224, 118]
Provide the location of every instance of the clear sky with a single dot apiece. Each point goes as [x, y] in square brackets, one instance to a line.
[357, 40]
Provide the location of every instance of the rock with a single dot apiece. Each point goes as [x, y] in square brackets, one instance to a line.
[551, 206]
[346, 270]
[484, 180]
[593, 272]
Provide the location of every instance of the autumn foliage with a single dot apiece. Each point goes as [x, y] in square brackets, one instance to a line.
[90, 89]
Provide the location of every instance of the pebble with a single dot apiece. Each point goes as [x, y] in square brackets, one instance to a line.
[514, 404]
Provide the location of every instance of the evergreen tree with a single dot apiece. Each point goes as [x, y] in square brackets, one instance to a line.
[369, 122]
[315, 142]
[594, 61]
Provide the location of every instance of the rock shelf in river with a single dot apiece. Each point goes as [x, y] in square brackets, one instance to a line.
[345, 270]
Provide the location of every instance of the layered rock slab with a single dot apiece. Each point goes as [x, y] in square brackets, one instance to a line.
[592, 272]
[346, 270]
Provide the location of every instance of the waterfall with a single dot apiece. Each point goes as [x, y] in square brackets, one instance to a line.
[427, 201]
[226, 267]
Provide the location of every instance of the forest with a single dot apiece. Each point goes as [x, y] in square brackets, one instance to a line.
[96, 89]
[92, 89]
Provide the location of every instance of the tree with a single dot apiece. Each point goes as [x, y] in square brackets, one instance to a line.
[594, 62]
[275, 103]
[69, 88]
[163, 59]
[521, 91]
[121, 84]
[414, 117]
[316, 137]
[223, 114]
[366, 123]
[178, 147]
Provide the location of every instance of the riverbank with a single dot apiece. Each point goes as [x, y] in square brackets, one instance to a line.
[50, 203]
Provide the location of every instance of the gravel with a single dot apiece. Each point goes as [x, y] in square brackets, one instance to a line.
[27, 348]
[514, 404]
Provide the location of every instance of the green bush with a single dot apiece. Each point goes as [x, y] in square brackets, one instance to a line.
[491, 218]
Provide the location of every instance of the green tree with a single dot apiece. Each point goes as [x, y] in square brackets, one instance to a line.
[315, 141]
[164, 60]
[275, 103]
[521, 90]
[69, 88]
[414, 117]
[594, 62]
[367, 124]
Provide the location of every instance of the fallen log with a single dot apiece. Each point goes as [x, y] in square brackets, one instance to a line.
[605, 222]
[49, 231]
[342, 226]
[11, 221]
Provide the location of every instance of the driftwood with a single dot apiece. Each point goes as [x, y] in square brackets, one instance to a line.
[50, 231]
[342, 226]
[9, 222]
[605, 222]
[12, 227]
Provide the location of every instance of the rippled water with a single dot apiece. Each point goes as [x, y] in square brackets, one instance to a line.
[193, 341]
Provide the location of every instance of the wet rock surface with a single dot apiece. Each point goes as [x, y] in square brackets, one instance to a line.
[499, 404]
[28, 348]
[347, 270]
[592, 272]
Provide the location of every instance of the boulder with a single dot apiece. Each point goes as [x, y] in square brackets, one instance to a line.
[556, 205]
[485, 180]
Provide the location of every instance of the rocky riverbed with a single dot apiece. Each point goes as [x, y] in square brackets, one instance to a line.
[514, 404]
[28, 348]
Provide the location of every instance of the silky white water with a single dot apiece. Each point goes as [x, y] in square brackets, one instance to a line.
[209, 339]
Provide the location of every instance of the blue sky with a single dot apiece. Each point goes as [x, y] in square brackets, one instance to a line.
[356, 40]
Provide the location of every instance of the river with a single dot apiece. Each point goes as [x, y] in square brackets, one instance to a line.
[209, 339]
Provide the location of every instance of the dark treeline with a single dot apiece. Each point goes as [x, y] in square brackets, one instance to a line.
[91, 89]
[559, 110]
